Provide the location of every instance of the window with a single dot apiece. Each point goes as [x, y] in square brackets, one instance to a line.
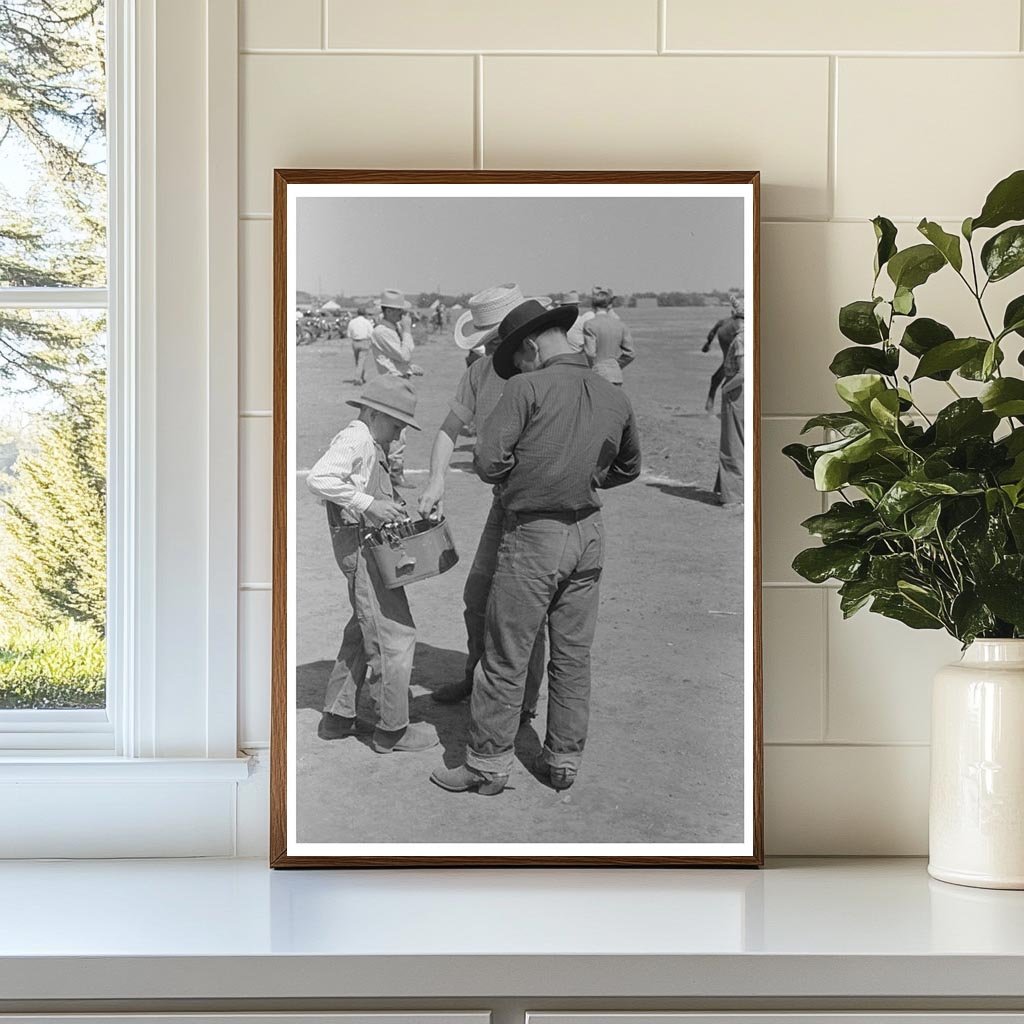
[53, 373]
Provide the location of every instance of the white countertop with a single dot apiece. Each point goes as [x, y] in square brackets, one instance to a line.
[233, 929]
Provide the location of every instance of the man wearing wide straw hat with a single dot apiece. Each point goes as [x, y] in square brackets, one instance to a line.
[474, 400]
[558, 433]
[391, 346]
[352, 477]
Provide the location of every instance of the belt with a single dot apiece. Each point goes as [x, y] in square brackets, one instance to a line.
[566, 516]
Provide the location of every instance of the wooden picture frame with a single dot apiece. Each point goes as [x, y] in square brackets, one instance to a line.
[288, 845]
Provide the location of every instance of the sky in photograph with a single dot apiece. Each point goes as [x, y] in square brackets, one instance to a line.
[357, 246]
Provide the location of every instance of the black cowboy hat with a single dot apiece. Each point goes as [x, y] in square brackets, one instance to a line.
[529, 317]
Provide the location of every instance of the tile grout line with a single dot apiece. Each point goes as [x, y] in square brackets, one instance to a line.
[323, 24]
[1020, 23]
[662, 42]
[833, 134]
[478, 111]
[369, 51]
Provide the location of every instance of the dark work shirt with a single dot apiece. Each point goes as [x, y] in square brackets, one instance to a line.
[556, 436]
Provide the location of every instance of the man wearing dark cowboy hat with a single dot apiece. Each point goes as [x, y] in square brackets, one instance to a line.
[475, 398]
[557, 435]
[391, 346]
[352, 477]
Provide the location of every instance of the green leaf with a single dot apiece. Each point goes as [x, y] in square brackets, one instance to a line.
[799, 455]
[966, 229]
[850, 361]
[885, 237]
[990, 361]
[947, 244]
[831, 471]
[1004, 397]
[970, 617]
[923, 335]
[1005, 596]
[858, 389]
[903, 302]
[974, 368]
[857, 321]
[925, 518]
[833, 420]
[885, 409]
[840, 561]
[1005, 202]
[949, 356]
[966, 417]
[897, 607]
[906, 494]
[843, 521]
[911, 267]
[1003, 254]
[1013, 317]
[887, 570]
[854, 594]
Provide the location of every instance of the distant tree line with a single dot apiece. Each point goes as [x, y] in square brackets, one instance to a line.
[715, 298]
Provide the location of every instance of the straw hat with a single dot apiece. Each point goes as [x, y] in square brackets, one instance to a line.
[571, 298]
[392, 298]
[528, 317]
[487, 309]
[391, 395]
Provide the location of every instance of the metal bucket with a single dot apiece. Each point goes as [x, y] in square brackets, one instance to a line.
[413, 551]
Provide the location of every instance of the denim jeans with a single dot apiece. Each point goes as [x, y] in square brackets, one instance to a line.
[548, 564]
[379, 639]
[474, 596]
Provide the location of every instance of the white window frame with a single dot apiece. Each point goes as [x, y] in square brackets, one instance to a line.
[171, 719]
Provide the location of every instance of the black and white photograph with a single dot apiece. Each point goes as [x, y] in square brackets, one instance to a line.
[516, 567]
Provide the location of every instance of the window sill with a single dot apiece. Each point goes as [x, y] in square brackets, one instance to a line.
[74, 766]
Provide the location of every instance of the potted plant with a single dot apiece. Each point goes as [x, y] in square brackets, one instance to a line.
[927, 521]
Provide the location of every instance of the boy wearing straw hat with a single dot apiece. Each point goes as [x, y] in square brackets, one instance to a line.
[391, 346]
[475, 398]
[352, 478]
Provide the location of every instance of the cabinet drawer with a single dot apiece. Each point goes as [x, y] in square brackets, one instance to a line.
[957, 1017]
[360, 1017]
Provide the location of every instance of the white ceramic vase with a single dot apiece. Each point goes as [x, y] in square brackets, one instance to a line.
[976, 813]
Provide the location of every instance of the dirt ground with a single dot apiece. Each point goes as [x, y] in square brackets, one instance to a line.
[664, 758]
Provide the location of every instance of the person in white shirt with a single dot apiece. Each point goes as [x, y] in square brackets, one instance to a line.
[359, 330]
[391, 346]
[379, 641]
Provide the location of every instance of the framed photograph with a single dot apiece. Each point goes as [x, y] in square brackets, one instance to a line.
[516, 608]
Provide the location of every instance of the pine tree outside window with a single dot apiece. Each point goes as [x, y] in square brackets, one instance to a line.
[53, 370]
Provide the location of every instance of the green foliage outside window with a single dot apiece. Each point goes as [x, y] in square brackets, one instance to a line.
[52, 366]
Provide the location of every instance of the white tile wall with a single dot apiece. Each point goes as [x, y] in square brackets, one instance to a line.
[698, 113]
[838, 138]
[874, 25]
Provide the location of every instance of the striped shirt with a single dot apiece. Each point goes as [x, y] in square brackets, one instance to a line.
[343, 472]
[391, 353]
[478, 392]
[556, 436]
